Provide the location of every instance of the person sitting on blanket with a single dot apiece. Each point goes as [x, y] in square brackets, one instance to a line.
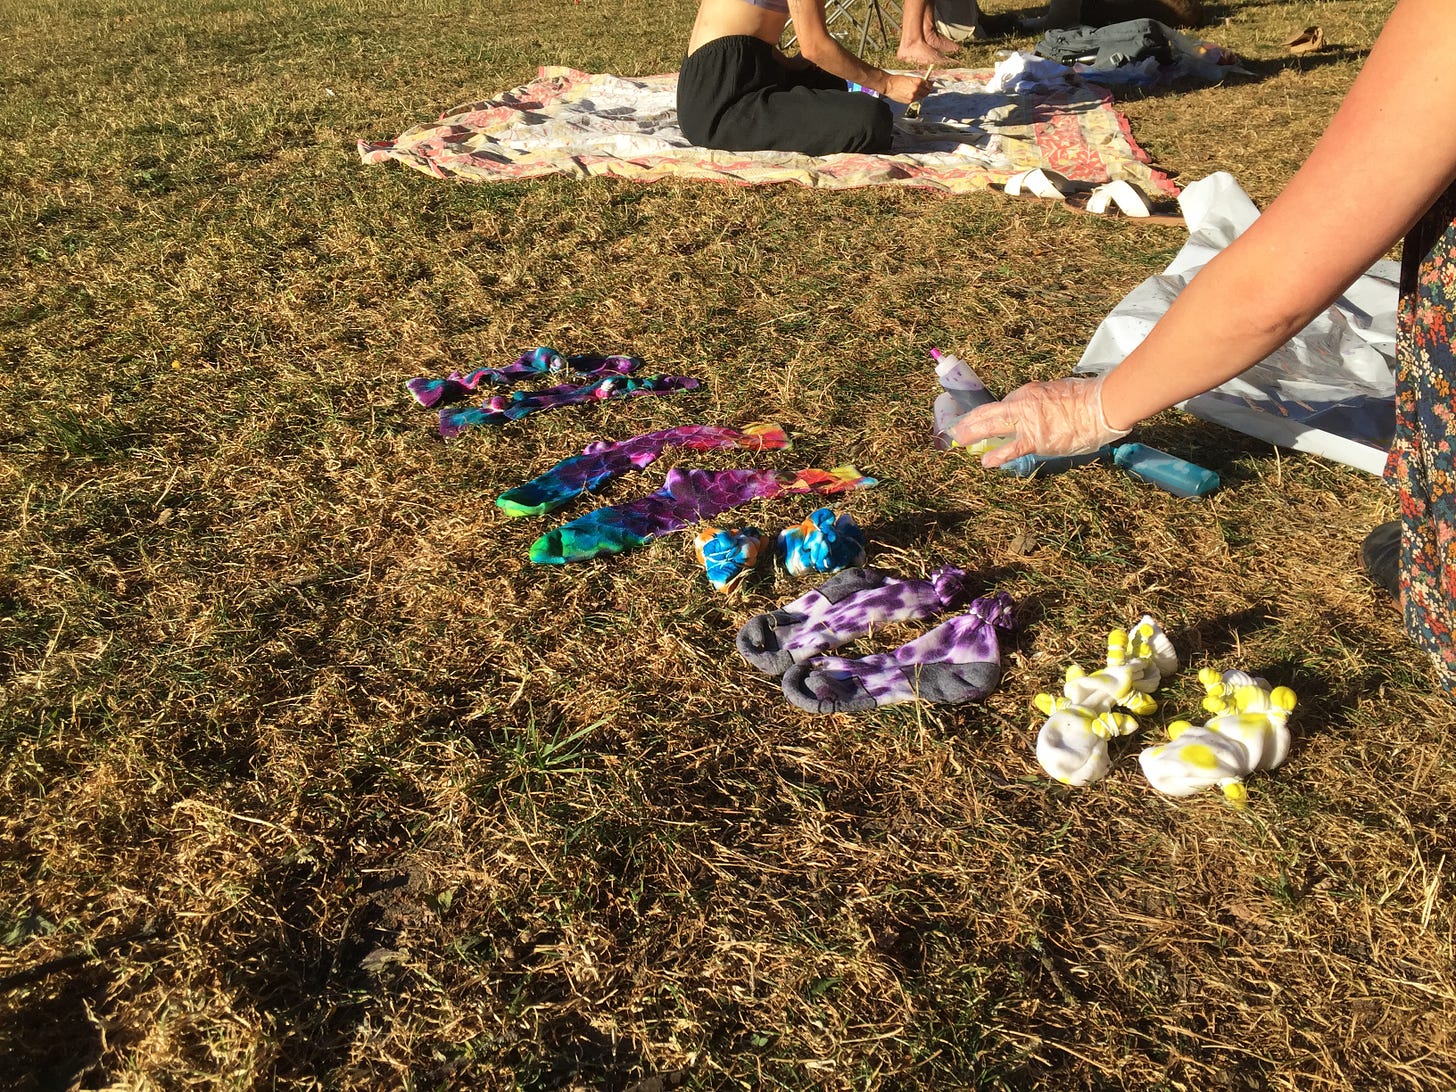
[737, 93]
[1384, 169]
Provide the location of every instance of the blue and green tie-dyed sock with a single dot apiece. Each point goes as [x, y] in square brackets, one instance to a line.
[687, 497]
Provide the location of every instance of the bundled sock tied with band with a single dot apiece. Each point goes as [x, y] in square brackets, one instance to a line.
[1095, 708]
[823, 543]
[957, 661]
[601, 462]
[687, 497]
[1248, 732]
[847, 605]
[728, 556]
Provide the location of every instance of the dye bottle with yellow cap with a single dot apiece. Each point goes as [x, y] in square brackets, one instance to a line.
[962, 391]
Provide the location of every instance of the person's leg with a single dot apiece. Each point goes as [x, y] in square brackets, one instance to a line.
[916, 19]
[935, 38]
[736, 96]
[711, 79]
[805, 119]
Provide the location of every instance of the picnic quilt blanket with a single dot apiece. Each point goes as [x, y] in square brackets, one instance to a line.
[969, 136]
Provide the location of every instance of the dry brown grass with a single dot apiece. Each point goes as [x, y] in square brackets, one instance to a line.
[311, 780]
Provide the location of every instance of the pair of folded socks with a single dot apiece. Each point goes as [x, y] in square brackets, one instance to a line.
[823, 543]
[1248, 731]
[959, 660]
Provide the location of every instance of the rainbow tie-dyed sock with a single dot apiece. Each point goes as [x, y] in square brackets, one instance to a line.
[600, 462]
[687, 497]
[530, 364]
[499, 409]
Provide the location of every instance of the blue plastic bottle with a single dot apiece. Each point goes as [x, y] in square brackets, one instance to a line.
[1026, 466]
[1177, 476]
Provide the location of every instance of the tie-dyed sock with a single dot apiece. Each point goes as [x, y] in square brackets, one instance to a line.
[501, 408]
[728, 556]
[957, 661]
[1249, 732]
[1096, 707]
[600, 462]
[687, 497]
[823, 543]
[847, 605]
[530, 364]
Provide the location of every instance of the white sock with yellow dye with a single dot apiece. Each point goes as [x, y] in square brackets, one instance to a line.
[1248, 732]
[1094, 708]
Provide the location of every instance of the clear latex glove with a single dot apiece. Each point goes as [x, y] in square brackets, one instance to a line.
[1063, 417]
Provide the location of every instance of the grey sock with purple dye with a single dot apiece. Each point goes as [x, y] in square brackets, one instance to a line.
[959, 660]
[847, 605]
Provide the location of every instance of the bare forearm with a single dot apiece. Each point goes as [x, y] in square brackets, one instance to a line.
[828, 54]
[1389, 152]
[1223, 323]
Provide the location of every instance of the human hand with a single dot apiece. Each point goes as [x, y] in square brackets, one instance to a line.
[1063, 417]
[907, 89]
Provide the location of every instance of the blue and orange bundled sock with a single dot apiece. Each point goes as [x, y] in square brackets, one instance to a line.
[729, 555]
[848, 605]
[823, 543]
[957, 661]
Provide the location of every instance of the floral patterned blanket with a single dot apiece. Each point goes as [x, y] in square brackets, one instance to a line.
[968, 137]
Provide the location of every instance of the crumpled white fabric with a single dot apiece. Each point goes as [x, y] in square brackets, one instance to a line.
[1330, 390]
[1022, 72]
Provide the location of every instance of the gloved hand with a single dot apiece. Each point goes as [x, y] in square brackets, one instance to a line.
[1063, 417]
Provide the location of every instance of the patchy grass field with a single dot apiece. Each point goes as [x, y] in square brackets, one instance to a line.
[311, 780]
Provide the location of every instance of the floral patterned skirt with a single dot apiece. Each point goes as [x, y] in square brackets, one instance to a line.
[1421, 463]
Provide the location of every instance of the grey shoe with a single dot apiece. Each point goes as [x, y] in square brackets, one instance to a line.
[1380, 555]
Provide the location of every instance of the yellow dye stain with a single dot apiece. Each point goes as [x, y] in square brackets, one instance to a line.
[1200, 756]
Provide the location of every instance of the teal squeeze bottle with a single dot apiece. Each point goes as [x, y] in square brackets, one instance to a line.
[1027, 466]
[1177, 476]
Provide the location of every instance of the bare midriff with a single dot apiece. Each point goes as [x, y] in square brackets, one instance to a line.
[727, 18]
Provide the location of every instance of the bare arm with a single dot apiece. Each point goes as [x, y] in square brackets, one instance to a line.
[1387, 155]
[824, 50]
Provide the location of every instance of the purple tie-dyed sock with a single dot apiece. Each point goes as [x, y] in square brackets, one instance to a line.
[600, 462]
[534, 362]
[501, 408]
[687, 497]
[959, 660]
[847, 605]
